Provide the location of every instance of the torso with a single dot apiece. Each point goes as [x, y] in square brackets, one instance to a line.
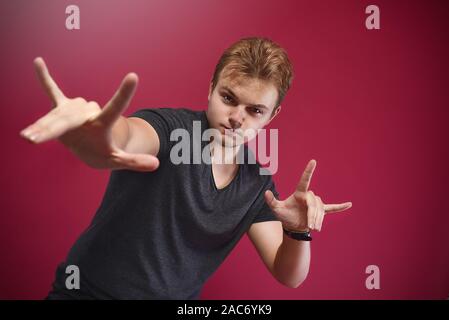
[223, 174]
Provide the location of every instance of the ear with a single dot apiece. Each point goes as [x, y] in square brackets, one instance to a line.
[278, 109]
[210, 91]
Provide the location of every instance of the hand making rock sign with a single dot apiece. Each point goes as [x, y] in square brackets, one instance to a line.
[86, 129]
[303, 210]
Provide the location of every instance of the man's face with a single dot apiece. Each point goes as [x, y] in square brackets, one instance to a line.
[241, 104]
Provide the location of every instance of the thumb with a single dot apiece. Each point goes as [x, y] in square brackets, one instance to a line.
[135, 162]
[271, 200]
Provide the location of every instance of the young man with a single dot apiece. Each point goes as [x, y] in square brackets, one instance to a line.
[163, 228]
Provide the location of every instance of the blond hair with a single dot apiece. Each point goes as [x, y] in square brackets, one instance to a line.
[258, 58]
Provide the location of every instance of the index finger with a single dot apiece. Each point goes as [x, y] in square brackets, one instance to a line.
[304, 182]
[47, 82]
[120, 101]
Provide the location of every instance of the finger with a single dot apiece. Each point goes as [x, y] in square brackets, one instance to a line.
[271, 200]
[120, 101]
[320, 215]
[34, 130]
[311, 209]
[331, 208]
[304, 182]
[50, 86]
[317, 211]
[134, 161]
[40, 133]
[54, 124]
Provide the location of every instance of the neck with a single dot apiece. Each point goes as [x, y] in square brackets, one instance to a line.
[224, 155]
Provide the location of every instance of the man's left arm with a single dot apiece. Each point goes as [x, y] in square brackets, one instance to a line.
[288, 259]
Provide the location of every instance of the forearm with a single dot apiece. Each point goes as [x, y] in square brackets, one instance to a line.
[292, 261]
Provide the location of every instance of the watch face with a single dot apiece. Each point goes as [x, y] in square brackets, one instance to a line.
[305, 237]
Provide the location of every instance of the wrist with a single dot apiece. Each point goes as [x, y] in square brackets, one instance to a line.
[304, 229]
[300, 235]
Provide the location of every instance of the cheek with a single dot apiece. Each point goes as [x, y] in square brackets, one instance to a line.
[219, 109]
[252, 123]
[215, 104]
[217, 112]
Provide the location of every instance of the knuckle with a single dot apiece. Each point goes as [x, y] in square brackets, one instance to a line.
[79, 100]
[93, 106]
[45, 131]
[92, 109]
[300, 195]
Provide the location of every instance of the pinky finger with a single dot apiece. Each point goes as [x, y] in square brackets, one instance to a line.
[39, 134]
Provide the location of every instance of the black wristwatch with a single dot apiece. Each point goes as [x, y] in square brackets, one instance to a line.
[298, 235]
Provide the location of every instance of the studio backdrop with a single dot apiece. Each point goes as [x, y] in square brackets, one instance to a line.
[369, 101]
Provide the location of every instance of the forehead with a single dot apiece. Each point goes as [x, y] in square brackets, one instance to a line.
[251, 91]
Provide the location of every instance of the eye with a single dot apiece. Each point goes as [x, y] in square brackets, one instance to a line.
[227, 98]
[257, 110]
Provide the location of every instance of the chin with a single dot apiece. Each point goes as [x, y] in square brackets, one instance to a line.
[230, 142]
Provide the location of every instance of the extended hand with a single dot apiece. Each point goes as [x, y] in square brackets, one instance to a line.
[303, 210]
[86, 129]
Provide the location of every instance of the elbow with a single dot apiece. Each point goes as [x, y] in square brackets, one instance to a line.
[291, 277]
[293, 284]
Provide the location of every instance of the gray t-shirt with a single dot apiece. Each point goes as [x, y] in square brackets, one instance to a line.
[162, 234]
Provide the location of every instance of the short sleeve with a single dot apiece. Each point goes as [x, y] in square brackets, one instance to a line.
[266, 214]
[164, 121]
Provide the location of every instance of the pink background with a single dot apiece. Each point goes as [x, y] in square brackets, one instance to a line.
[370, 106]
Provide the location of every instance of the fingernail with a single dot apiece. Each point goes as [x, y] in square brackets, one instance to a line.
[34, 137]
[25, 133]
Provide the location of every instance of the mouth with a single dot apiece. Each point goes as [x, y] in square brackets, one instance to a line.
[230, 132]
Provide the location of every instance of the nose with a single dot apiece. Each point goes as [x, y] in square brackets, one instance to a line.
[236, 119]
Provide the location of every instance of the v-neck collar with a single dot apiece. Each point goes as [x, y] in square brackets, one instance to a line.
[205, 125]
[229, 185]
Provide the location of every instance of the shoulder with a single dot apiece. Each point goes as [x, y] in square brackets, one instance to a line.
[170, 112]
[170, 117]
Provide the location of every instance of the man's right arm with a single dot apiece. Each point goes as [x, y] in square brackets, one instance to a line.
[100, 137]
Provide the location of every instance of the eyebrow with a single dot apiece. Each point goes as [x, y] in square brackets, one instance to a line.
[235, 97]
